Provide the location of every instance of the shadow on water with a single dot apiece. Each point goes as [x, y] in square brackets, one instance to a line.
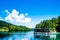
[58, 36]
[44, 38]
[4, 34]
[13, 35]
[41, 37]
[51, 37]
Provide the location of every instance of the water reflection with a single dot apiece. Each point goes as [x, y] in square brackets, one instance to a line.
[19, 36]
[58, 36]
[46, 37]
[29, 36]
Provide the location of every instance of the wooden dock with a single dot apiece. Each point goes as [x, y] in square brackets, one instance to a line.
[43, 32]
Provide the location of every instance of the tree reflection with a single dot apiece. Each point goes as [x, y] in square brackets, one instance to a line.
[50, 37]
[58, 36]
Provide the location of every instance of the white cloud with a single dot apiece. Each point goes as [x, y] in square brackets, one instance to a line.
[28, 20]
[7, 11]
[1, 18]
[20, 19]
[21, 16]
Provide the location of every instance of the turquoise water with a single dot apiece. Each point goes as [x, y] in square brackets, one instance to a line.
[29, 36]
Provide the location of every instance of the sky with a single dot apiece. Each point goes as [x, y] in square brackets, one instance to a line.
[28, 12]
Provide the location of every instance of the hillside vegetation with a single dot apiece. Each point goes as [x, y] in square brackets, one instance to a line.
[52, 24]
[5, 26]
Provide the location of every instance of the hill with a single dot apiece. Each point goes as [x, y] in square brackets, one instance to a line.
[53, 24]
[5, 26]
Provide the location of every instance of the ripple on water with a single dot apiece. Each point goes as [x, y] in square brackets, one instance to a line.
[29, 36]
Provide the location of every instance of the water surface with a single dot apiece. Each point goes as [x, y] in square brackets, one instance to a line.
[29, 36]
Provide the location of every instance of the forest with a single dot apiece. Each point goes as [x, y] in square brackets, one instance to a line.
[53, 24]
[5, 26]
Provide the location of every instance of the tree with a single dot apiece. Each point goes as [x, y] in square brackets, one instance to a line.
[58, 27]
[52, 24]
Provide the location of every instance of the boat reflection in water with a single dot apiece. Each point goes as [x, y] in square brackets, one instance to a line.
[44, 33]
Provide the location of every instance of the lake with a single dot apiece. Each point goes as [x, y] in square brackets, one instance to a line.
[29, 36]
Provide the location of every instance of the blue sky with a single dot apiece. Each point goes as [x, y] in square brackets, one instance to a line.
[36, 10]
